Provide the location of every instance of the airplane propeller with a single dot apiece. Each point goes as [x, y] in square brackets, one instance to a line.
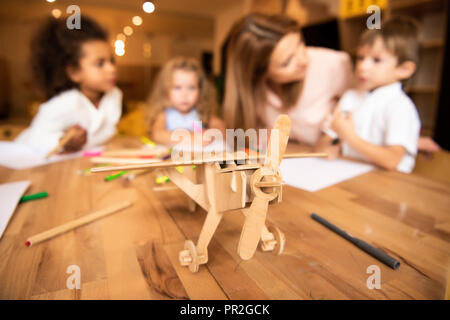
[256, 215]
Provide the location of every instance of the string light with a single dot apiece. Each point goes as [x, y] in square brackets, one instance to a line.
[120, 51]
[119, 47]
[121, 37]
[119, 44]
[148, 7]
[56, 13]
[128, 30]
[137, 21]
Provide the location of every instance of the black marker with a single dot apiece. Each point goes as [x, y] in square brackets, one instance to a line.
[375, 252]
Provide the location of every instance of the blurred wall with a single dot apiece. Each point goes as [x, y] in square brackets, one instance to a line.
[169, 34]
[223, 23]
[177, 27]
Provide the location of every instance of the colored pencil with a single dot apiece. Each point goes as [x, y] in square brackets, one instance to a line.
[76, 223]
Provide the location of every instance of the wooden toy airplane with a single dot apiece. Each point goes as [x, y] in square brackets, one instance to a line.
[224, 183]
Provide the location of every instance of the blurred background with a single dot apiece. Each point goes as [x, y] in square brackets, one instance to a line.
[151, 33]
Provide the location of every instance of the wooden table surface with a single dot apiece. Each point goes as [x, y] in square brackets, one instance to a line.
[133, 254]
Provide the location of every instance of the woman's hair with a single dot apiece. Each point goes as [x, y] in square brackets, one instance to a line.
[159, 98]
[250, 45]
[55, 47]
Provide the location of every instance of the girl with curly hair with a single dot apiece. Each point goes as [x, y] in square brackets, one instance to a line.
[76, 72]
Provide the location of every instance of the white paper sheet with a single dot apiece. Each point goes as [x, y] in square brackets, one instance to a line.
[313, 174]
[10, 194]
[18, 156]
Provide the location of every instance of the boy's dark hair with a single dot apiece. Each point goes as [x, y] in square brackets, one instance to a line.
[401, 37]
[55, 47]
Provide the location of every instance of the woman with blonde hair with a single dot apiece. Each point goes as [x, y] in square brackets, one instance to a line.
[271, 71]
[181, 98]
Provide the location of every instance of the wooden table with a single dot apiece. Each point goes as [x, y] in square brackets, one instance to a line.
[133, 254]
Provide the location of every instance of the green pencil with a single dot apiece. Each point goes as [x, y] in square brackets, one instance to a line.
[35, 196]
[114, 176]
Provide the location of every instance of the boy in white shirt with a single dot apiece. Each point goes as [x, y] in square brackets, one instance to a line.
[378, 122]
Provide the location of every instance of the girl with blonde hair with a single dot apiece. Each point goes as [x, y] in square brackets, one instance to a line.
[181, 98]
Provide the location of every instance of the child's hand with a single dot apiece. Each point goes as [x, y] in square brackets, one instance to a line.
[77, 141]
[428, 147]
[325, 145]
[333, 151]
[427, 144]
[342, 124]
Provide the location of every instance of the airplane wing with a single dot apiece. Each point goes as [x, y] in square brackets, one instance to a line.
[220, 158]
